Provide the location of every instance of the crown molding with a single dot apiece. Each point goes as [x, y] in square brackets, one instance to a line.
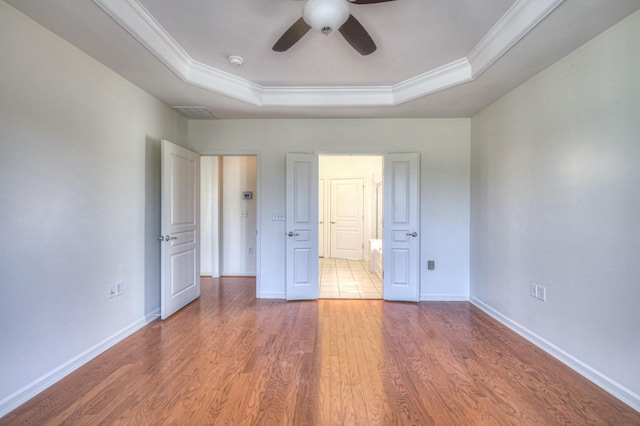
[134, 18]
[521, 18]
[344, 96]
[449, 75]
[224, 83]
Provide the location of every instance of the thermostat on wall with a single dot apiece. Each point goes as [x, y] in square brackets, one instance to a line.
[247, 195]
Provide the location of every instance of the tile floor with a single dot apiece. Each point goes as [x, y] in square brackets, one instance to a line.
[348, 279]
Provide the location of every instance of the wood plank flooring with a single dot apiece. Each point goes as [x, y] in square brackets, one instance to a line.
[231, 359]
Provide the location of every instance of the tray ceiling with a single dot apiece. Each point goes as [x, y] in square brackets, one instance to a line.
[434, 58]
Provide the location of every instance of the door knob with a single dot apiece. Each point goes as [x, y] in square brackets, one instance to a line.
[167, 238]
[292, 234]
[412, 234]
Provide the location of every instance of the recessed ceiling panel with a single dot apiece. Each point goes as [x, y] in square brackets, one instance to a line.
[413, 37]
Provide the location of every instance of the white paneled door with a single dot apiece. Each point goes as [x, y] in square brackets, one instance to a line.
[180, 277]
[347, 220]
[302, 227]
[401, 248]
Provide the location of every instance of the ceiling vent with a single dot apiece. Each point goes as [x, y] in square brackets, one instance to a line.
[195, 113]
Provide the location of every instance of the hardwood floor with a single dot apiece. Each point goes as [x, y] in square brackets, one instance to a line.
[230, 359]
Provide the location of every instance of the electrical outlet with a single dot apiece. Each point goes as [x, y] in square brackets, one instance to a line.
[111, 292]
[119, 288]
[542, 293]
[533, 290]
[431, 265]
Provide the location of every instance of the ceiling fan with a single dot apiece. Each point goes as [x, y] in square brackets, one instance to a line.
[325, 16]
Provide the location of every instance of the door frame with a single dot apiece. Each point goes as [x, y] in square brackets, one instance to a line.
[258, 198]
[354, 153]
[382, 154]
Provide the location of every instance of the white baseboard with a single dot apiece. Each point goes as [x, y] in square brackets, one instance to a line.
[237, 274]
[272, 295]
[425, 297]
[614, 388]
[32, 389]
[437, 297]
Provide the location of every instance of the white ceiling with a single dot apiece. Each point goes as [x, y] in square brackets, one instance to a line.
[435, 58]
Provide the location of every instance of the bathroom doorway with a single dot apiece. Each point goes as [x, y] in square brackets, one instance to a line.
[350, 201]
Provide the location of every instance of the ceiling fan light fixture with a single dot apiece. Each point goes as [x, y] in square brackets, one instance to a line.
[325, 16]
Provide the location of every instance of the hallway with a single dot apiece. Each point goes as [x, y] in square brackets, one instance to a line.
[348, 279]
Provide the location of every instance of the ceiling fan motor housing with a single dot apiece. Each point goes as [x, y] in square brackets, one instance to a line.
[325, 16]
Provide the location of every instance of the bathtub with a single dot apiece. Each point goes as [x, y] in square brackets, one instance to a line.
[375, 257]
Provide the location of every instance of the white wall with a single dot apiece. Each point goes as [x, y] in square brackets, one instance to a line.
[555, 200]
[79, 206]
[238, 230]
[444, 148]
[210, 216]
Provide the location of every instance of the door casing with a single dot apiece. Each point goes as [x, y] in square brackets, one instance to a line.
[413, 294]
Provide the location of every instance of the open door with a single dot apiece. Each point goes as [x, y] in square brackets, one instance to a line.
[401, 249]
[180, 260]
[302, 227]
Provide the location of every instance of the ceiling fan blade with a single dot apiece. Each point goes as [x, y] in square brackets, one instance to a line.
[291, 36]
[357, 36]
[368, 1]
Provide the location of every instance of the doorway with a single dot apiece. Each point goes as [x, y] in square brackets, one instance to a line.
[401, 233]
[228, 215]
[350, 204]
